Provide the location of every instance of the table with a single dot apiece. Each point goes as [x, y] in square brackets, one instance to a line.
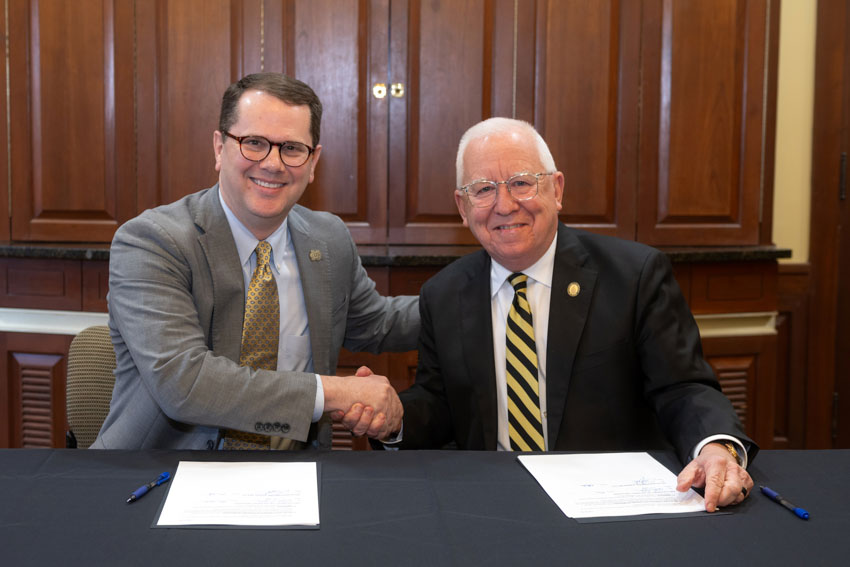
[67, 507]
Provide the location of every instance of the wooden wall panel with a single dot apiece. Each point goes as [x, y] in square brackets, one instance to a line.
[792, 325]
[5, 231]
[72, 120]
[702, 135]
[40, 284]
[586, 108]
[95, 285]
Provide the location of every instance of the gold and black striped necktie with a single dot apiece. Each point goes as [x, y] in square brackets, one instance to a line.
[525, 423]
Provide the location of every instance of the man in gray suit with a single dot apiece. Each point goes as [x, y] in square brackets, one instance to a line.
[177, 281]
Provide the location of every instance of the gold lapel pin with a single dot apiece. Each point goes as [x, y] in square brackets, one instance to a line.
[315, 255]
[573, 289]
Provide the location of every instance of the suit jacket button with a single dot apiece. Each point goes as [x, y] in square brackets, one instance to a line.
[276, 426]
[210, 444]
[284, 427]
[267, 426]
[258, 426]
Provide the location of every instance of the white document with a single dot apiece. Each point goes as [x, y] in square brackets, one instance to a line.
[242, 494]
[610, 484]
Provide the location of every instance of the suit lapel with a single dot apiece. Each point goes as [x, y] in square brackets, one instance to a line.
[311, 255]
[568, 313]
[477, 337]
[222, 258]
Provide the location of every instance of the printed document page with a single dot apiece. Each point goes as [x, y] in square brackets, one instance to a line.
[242, 494]
[610, 484]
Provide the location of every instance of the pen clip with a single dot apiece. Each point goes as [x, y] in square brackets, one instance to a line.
[164, 477]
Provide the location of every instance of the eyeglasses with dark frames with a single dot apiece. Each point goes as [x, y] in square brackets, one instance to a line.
[522, 187]
[257, 148]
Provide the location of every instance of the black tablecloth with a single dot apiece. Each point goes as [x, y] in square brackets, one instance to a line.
[67, 507]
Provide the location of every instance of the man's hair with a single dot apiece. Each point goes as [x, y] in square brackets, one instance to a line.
[501, 125]
[289, 90]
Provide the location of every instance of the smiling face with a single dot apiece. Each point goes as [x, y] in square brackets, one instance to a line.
[515, 233]
[262, 193]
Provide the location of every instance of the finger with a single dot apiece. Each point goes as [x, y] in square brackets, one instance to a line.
[715, 477]
[687, 477]
[337, 415]
[352, 417]
[363, 425]
[363, 371]
[377, 429]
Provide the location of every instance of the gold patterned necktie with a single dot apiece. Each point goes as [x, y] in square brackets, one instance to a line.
[525, 424]
[260, 336]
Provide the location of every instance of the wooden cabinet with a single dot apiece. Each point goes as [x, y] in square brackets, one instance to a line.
[658, 112]
[704, 118]
[32, 389]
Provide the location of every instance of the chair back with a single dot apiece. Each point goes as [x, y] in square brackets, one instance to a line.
[88, 388]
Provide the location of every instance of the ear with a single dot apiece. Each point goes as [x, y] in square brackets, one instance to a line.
[461, 202]
[316, 153]
[218, 147]
[558, 184]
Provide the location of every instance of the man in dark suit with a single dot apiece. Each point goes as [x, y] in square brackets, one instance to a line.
[610, 357]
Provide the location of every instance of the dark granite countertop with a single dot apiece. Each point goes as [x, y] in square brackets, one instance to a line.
[403, 256]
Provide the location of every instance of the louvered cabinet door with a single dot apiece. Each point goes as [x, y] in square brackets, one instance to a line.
[32, 389]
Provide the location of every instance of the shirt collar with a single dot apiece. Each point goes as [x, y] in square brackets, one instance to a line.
[540, 271]
[246, 242]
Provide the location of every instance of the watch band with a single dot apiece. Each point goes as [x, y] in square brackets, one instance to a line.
[732, 450]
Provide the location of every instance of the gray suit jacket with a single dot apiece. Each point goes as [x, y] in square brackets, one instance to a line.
[176, 303]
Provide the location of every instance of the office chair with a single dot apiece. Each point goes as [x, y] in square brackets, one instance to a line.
[88, 388]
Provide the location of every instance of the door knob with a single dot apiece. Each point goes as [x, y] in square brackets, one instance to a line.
[379, 90]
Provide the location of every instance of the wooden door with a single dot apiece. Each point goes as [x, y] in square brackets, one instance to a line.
[339, 48]
[71, 118]
[584, 83]
[703, 121]
[455, 61]
[828, 380]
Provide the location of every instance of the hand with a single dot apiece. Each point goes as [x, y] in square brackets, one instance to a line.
[365, 403]
[723, 479]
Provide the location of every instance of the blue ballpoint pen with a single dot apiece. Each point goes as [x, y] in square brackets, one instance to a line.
[142, 490]
[781, 501]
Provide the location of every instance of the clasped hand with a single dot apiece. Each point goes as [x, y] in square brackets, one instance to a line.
[366, 403]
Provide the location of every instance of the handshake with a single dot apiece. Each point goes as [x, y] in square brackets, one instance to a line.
[366, 404]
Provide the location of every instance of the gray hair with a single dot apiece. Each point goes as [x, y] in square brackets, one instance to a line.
[500, 125]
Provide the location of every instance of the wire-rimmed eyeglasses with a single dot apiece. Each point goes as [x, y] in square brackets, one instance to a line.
[257, 148]
[522, 187]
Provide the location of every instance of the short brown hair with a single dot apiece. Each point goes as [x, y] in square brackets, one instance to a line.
[289, 90]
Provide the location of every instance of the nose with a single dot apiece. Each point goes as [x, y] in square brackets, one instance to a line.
[273, 162]
[505, 203]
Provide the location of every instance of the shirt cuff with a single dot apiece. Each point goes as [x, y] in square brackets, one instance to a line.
[391, 444]
[742, 451]
[319, 406]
